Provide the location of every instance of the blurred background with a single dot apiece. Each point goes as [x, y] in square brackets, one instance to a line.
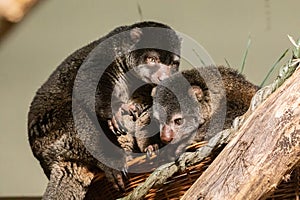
[36, 37]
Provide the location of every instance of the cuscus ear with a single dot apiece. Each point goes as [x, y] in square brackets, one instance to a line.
[136, 34]
[196, 92]
[153, 92]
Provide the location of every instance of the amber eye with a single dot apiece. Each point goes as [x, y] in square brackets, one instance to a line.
[152, 60]
[178, 121]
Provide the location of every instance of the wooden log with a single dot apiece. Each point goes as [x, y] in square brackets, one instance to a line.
[266, 147]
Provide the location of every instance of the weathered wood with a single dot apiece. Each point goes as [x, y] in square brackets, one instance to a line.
[266, 147]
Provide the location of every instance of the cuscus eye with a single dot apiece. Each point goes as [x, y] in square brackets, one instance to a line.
[178, 121]
[152, 60]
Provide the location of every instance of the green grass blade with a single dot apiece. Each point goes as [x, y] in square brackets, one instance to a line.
[227, 63]
[245, 55]
[202, 61]
[273, 67]
[140, 11]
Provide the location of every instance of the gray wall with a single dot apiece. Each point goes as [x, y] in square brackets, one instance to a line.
[56, 28]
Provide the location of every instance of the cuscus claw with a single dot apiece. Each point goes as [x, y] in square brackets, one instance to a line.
[116, 178]
[152, 150]
[112, 128]
[125, 172]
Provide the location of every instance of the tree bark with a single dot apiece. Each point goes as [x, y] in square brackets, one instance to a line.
[265, 149]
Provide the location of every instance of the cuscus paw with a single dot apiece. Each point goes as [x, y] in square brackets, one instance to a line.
[116, 177]
[152, 150]
[117, 124]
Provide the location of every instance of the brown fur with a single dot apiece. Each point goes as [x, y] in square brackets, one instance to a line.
[54, 137]
[226, 94]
